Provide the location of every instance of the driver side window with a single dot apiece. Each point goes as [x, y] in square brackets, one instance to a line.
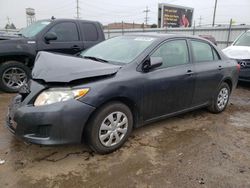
[173, 53]
[66, 31]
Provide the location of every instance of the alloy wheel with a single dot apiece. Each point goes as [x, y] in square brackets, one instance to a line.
[14, 77]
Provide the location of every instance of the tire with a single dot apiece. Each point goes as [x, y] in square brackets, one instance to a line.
[12, 75]
[221, 98]
[100, 126]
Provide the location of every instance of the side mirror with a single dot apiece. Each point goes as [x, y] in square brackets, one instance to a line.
[50, 36]
[153, 63]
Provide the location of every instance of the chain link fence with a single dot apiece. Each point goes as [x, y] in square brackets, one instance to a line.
[223, 35]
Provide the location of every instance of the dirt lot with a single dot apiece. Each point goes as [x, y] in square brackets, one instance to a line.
[197, 149]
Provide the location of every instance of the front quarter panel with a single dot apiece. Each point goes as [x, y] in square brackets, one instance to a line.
[18, 47]
[125, 84]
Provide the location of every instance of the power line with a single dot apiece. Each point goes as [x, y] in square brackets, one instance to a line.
[146, 17]
[119, 11]
[117, 6]
[57, 7]
[8, 20]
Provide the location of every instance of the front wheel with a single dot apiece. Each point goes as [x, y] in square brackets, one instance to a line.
[220, 101]
[109, 128]
[13, 75]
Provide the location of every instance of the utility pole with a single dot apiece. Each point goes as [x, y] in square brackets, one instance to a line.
[146, 17]
[215, 6]
[200, 21]
[229, 31]
[8, 20]
[77, 9]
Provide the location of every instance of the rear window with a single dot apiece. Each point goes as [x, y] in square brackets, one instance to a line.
[202, 52]
[90, 32]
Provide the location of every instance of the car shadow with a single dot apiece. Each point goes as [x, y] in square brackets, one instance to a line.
[245, 85]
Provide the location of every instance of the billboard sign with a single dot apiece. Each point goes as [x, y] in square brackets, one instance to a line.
[174, 16]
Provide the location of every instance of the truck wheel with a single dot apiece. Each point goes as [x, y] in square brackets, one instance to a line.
[109, 128]
[13, 75]
[220, 100]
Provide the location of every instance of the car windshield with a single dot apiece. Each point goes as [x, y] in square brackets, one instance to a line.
[244, 40]
[123, 49]
[34, 28]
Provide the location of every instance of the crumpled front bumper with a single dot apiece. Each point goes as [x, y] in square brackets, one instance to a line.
[58, 123]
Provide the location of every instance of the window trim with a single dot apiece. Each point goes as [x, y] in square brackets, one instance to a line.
[55, 41]
[170, 40]
[215, 51]
[205, 42]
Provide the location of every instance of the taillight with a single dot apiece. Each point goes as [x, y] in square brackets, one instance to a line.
[238, 67]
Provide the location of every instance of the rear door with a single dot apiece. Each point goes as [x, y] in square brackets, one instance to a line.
[169, 88]
[91, 34]
[68, 39]
[208, 71]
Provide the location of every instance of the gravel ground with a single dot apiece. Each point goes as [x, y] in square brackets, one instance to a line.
[197, 149]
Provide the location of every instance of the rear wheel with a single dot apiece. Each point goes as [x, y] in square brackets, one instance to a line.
[109, 128]
[13, 75]
[220, 100]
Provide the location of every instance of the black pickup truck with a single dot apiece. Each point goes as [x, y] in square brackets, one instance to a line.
[18, 52]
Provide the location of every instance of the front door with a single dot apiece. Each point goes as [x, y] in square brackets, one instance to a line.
[68, 40]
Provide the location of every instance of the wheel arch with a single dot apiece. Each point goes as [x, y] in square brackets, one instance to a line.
[125, 100]
[228, 81]
[25, 59]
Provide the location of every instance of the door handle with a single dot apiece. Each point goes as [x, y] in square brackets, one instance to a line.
[220, 67]
[189, 72]
[75, 47]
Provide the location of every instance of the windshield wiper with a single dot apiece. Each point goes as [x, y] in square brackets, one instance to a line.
[95, 59]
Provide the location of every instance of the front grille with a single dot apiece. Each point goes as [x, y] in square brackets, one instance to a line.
[11, 125]
[15, 103]
[244, 63]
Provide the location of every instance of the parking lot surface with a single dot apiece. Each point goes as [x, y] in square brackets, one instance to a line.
[197, 149]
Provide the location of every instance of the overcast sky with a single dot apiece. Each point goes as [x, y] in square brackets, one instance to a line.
[107, 11]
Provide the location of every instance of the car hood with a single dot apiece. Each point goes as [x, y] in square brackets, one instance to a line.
[237, 52]
[51, 67]
[5, 40]
[9, 37]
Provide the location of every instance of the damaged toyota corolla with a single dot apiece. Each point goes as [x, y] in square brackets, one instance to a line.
[118, 85]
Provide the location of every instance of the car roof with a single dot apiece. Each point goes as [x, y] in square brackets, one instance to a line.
[67, 19]
[166, 36]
